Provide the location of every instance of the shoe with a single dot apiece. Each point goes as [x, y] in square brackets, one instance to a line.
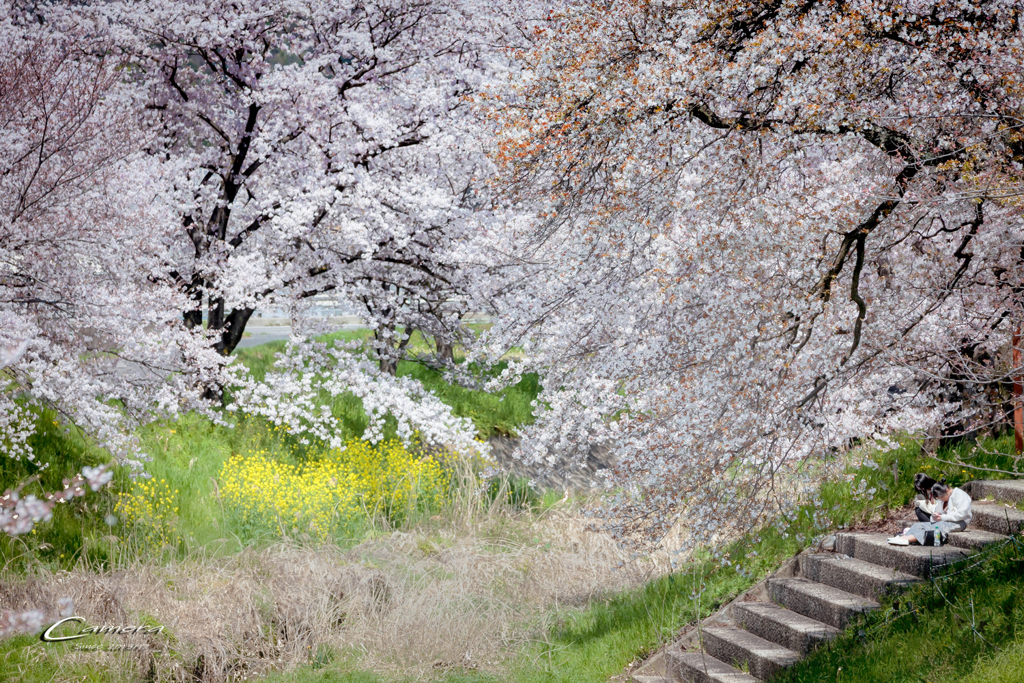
[897, 540]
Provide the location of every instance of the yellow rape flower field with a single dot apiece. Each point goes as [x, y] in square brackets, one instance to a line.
[332, 493]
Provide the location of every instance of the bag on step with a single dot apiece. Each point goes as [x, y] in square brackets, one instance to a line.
[935, 537]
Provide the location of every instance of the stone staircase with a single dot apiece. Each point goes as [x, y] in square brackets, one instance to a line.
[816, 594]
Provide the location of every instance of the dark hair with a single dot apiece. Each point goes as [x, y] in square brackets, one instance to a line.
[939, 489]
[923, 484]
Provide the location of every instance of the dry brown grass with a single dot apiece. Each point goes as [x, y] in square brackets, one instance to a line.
[413, 601]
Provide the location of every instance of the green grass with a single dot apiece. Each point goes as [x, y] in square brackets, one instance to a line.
[978, 459]
[259, 359]
[599, 642]
[78, 529]
[354, 675]
[494, 414]
[28, 660]
[968, 627]
[189, 454]
[1001, 667]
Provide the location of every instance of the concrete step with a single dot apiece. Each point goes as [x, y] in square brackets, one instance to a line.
[913, 559]
[780, 625]
[974, 539]
[997, 518]
[640, 678]
[818, 601]
[700, 667]
[1006, 490]
[745, 650]
[853, 575]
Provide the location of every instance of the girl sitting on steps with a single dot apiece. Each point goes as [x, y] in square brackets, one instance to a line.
[952, 512]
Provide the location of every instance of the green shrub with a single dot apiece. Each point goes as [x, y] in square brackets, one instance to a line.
[516, 492]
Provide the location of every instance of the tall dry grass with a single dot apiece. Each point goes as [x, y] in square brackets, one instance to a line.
[438, 595]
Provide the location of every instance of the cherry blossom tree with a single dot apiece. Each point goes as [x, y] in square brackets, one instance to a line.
[765, 229]
[86, 327]
[162, 157]
[316, 147]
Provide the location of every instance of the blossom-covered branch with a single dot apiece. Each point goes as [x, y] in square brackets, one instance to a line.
[292, 395]
[765, 230]
[87, 329]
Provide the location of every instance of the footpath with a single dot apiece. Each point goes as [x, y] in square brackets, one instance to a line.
[812, 597]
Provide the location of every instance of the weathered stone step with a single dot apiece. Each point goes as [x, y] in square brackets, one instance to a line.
[1007, 490]
[818, 601]
[780, 625]
[639, 678]
[745, 650]
[700, 667]
[853, 575]
[997, 518]
[974, 539]
[913, 559]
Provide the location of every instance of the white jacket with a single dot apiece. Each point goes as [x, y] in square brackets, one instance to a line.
[926, 506]
[956, 509]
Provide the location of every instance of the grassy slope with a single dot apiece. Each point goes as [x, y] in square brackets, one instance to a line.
[598, 642]
[923, 635]
[23, 659]
[583, 645]
[77, 526]
[500, 413]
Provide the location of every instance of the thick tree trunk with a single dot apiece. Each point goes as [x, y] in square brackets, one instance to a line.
[386, 362]
[232, 329]
[389, 361]
[194, 318]
[445, 351]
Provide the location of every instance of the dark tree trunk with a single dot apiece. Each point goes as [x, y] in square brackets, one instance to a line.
[389, 355]
[231, 329]
[445, 351]
[388, 366]
[194, 318]
[383, 349]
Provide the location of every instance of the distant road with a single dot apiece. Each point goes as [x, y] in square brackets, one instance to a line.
[263, 334]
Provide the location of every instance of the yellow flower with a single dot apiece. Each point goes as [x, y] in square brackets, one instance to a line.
[334, 490]
[150, 510]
